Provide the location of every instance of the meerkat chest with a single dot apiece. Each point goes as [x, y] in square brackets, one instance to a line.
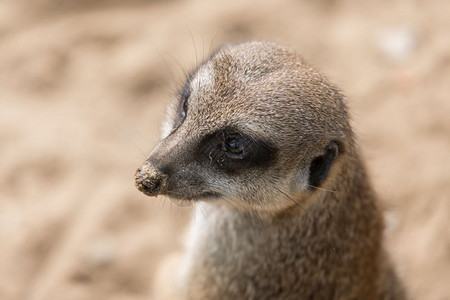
[231, 257]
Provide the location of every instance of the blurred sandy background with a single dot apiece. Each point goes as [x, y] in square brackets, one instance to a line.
[83, 86]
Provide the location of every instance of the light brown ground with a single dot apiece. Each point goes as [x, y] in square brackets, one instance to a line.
[82, 93]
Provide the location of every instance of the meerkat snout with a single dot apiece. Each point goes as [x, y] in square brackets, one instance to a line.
[149, 179]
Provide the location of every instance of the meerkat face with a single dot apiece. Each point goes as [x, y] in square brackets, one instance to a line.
[253, 127]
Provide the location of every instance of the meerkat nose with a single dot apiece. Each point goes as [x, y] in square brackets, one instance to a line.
[149, 179]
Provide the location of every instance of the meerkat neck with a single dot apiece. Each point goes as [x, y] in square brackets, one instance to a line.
[228, 244]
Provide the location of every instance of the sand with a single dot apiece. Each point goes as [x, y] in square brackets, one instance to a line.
[83, 90]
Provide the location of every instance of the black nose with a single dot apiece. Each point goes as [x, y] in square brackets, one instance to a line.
[150, 180]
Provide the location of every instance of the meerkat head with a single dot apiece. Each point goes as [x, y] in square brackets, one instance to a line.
[253, 126]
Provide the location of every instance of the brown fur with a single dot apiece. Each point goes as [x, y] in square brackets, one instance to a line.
[269, 235]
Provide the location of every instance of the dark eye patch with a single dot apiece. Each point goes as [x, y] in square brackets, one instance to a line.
[231, 151]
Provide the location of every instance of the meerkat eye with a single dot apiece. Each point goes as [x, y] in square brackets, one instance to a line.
[231, 151]
[235, 146]
[185, 94]
[182, 105]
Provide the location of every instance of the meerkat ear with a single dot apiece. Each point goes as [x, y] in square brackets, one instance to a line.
[320, 166]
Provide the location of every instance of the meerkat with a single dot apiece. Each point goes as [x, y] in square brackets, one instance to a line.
[261, 143]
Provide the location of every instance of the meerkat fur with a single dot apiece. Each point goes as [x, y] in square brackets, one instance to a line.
[261, 144]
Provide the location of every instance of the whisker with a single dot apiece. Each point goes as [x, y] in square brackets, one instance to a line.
[231, 200]
[202, 210]
[321, 189]
[173, 88]
[195, 47]
[163, 204]
[203, 46]
[179, 65]
[262, 227]
[296, 202]
[311, 217]
[214, 38]
[140, 150]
